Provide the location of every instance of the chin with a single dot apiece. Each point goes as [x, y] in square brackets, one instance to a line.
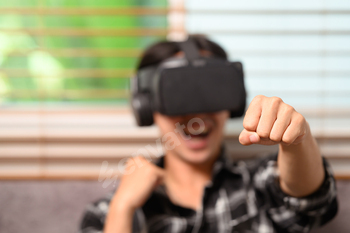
[197, 156]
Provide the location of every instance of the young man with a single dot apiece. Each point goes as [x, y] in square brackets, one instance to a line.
[196, 187]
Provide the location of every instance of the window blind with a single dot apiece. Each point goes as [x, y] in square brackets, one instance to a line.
[65, 68]
[296, 50]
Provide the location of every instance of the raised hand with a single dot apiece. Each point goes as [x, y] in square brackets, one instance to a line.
[134, 189]
[136, 186]
[270, 121]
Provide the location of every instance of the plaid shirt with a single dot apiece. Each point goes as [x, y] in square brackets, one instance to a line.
[244, 196]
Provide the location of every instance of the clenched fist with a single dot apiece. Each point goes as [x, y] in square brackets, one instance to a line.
[270, 121]
[135, 187]
[139, 182]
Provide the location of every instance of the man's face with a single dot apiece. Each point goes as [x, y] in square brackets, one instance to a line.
[193, 147]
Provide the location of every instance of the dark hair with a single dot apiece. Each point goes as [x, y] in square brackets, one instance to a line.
[160, 51]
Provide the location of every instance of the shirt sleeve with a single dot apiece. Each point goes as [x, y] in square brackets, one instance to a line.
[95, 215]
[293, 214]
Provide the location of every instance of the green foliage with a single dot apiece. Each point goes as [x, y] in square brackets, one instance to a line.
[44, 73]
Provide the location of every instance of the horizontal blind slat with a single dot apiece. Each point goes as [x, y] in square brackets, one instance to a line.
[99, 32]
[85, 11]
[79, 52]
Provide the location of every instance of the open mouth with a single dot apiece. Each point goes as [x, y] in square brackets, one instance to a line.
[198, 141]
[205, 133]
[198, 137]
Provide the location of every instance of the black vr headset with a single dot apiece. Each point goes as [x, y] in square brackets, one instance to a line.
[188, 85]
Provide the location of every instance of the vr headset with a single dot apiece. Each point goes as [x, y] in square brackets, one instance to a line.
[188, 85]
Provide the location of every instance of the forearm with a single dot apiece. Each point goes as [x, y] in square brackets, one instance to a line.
[119, 219]
[300, 167]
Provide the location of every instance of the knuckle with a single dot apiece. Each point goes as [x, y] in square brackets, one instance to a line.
[259, 98]
[149, 169]
[299, 119]
[249, 125]
[275, 137]
[276, 100]
[287, 139]
[129, 163]
[299, 131]
[262, 133]
[289, 109]
[139, 158]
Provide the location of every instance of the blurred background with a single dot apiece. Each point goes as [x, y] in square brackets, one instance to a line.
[65, 67]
